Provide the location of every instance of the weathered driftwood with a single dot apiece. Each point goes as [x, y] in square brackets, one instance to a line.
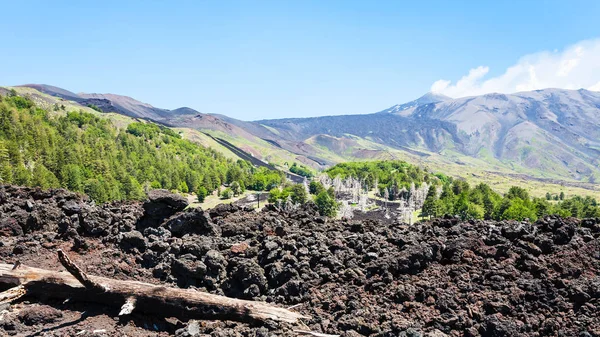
[12, 294]
[315, 334]
[138, 296]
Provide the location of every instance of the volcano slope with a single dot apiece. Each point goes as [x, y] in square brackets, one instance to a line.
[353, 278]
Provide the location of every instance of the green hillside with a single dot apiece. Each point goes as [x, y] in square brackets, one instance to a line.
[83, 152]
[332, 150]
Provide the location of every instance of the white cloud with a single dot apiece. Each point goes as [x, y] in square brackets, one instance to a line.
[575, 67]
[595, 87]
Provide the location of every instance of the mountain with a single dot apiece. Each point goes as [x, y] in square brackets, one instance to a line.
[53, 91]
[84, 151]
[246, 139]
[428, 98]
[552, 131]
[114, 103]
[551, 134]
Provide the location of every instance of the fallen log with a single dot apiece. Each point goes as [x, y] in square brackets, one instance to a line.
[12, 294]
[315, 334]
[136, 296]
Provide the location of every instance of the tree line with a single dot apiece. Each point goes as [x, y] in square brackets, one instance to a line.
[301, 193]
[391, 178]
[481, 202]
[301, 170]
[85, 153]
[447, 196]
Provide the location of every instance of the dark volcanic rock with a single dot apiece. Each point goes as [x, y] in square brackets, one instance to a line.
[10, 227]
[40, 315]
[133, 239]
[192, 221]
[160, 205]
[353, 277]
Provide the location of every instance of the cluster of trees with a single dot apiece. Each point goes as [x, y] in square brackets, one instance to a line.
[397, 180]
[244, 176]
[301, 170]
[550, 196]
[324, 198]
[94, 107]
[481, 202]
[392, 176]
[301, 193]
[86, 153]
[295, 192]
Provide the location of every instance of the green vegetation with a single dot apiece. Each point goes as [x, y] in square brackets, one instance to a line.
[390, 176]
[448, 196]
[326, 203]
[150, 131]
[201, 194]
[94, 107]
[296, 193]
[385, 172]
[85, 153]
[315, 187]
[481, 202]
[227, 194]
[301, 170]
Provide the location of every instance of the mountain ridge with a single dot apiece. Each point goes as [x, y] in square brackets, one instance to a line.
[546, 133]
[109, 102]
[428, 98]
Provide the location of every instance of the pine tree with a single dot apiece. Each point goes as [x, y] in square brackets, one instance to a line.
[431, 204]
[298, 194]
[235, 188]
[326, 204]
[201, 193]
[4, 164]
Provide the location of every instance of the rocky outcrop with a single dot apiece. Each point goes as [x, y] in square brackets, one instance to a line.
[160, 205]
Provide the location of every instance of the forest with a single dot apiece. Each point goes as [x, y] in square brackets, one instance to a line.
[395, 180]
[481, 202]
[381, 174]
[85, 153]
[301, 170]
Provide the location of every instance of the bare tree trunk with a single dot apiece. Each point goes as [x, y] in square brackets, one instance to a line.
[138, 296]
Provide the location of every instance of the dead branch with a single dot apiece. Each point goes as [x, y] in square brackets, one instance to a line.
[143, 297]
[79, 274]
[12, 294]
[315, 334]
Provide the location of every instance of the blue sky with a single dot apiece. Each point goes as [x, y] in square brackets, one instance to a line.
[273, 59]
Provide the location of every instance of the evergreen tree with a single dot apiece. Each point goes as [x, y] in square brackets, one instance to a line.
[298, 194]
[326, 204]
[43, 178]
[431, 206]
[86, 153]
[202, 193]
[235, 188]
[315, 187]
[4, 162]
